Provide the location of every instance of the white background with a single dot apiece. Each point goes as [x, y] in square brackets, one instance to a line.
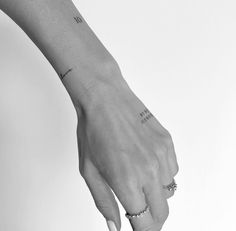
[179, 58]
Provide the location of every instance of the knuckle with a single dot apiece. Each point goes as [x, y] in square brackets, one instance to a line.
[174, 166]
[163, 144]
[176, 170]
[162, 151]
[167, 138]
[152, 169]
[130, 182]
[125, 180]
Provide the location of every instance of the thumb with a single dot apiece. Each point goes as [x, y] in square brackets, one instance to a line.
[103, 196]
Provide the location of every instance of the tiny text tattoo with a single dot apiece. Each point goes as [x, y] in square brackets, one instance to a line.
[62, 76]
[145, 115]
[78, 19]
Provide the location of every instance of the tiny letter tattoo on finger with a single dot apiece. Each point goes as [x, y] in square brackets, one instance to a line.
[145, 115]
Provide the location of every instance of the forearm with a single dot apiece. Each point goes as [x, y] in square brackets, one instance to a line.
[62, 34]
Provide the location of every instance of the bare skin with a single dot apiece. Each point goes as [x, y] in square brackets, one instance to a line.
[123, 149]
[133, 158]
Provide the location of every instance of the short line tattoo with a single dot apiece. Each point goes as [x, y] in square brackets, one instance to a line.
[62, 76]
[78, 19]
[145, 115]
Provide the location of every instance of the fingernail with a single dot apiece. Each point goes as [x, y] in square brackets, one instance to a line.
[111, 225]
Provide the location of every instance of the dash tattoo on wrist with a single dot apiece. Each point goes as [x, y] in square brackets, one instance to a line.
[78, 19]
[145, 115]
[63, 75]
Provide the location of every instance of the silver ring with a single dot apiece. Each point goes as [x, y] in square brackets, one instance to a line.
[137, 215]
[171, 187]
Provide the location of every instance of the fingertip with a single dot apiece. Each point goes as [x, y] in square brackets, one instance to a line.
[111, 225]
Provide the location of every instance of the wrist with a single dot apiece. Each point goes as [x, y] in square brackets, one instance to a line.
[97, 86]
[104, 96]
[104, 93]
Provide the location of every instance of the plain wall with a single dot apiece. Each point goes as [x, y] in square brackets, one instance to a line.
[179, 57]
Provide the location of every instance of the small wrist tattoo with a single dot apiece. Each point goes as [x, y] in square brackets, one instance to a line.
[145, 115]
[78, 19]
[62, 76]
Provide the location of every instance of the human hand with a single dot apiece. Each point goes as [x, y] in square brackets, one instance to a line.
[123, 148]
